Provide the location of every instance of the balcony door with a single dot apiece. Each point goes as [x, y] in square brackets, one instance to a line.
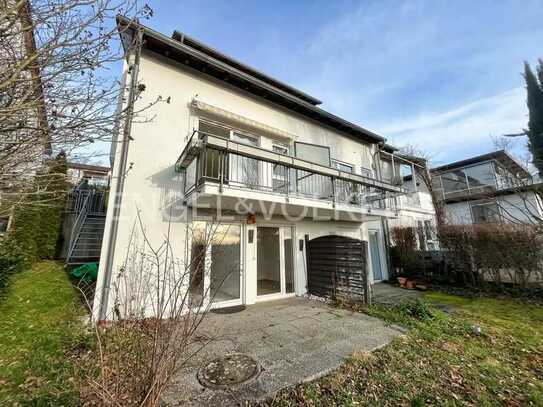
[243, 171]
[275, 265]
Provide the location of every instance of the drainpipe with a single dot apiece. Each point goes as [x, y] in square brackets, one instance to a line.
[133, 70]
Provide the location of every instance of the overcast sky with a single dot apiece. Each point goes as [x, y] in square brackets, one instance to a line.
[441, 75]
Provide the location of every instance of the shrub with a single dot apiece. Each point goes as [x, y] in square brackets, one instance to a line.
[492, 252]
[404, 253]
[36, 220]
[417, 309]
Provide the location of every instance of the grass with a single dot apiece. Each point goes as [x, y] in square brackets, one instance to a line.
[442, 361]
[40, 328]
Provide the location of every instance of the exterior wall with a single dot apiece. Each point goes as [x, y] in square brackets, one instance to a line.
[153, 190]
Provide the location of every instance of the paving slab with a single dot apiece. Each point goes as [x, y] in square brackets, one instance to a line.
[294, 341]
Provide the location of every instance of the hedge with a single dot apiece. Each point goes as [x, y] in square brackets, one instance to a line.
[36, 220]
[474, 255]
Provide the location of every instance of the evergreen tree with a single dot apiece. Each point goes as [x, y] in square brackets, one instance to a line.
[534, 88]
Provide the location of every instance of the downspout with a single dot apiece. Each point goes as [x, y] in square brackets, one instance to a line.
[133, 70]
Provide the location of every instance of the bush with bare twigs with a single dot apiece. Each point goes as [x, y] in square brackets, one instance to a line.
[152, 331]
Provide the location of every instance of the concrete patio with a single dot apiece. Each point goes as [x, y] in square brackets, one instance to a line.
[294, 340]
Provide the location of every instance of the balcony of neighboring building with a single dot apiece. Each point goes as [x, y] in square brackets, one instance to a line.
[479, 179]
[230, 173]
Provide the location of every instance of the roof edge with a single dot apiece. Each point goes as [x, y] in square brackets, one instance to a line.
[370, 136]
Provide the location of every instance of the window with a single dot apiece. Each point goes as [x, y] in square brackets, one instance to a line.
[480, 176]
[342, 166]
[313, 153]
[428, 230]
[213, 128]
[485, 212]
[420, 234]
[454, 181]
[4, 224]
[431, 239]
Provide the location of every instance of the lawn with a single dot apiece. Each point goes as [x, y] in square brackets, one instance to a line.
[443, 360]
[40, 330]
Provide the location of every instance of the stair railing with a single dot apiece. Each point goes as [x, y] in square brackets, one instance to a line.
[79, 221]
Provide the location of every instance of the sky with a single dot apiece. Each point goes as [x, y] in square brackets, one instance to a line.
[443, 76]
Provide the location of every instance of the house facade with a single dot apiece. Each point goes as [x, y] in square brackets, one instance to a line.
[489, 188]
[242, 172]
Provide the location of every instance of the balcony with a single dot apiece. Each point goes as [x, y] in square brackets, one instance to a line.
[215, 166]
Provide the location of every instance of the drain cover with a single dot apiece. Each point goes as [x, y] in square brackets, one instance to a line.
[229, 310]
[229, 370]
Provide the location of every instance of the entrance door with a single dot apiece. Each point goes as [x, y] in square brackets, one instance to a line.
[216, 266]
[375, 251]
[275, 266]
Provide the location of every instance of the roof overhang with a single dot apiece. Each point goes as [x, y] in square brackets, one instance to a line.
[501, 156]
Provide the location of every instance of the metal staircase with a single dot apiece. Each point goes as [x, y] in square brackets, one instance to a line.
[88, 228]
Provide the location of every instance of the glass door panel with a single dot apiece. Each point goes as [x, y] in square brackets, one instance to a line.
[225, 275]
[268, 261]
[289, 263]
[375, 253]
[197, 264]
[215, 264]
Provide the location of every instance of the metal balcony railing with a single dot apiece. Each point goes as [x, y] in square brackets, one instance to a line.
[209, 158]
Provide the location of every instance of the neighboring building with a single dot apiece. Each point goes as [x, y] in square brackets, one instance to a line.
[91, 175]
[489, 188]
[235, 146]
[415, 207]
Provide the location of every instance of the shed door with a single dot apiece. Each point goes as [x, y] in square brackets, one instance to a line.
[337, 267]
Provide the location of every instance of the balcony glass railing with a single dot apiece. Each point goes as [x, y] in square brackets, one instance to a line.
[252, 168]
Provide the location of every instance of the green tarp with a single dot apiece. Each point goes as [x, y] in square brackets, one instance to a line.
[88, 272]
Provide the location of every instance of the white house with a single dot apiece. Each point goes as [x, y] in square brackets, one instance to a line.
[489, 188]
[251, 158]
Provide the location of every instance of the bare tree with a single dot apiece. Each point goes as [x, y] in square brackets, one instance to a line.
[527, 208]
[59, 81]
[423, 176]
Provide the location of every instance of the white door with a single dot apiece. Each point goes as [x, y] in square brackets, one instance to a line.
[274, 261]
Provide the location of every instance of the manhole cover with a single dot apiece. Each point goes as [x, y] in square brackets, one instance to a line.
[229, 370]
[229, 310]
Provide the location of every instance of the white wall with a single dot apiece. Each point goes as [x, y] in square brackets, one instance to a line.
[153, 190]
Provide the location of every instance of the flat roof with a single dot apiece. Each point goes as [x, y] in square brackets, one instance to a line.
[87, 167]
[194, 54]
[502, 156]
